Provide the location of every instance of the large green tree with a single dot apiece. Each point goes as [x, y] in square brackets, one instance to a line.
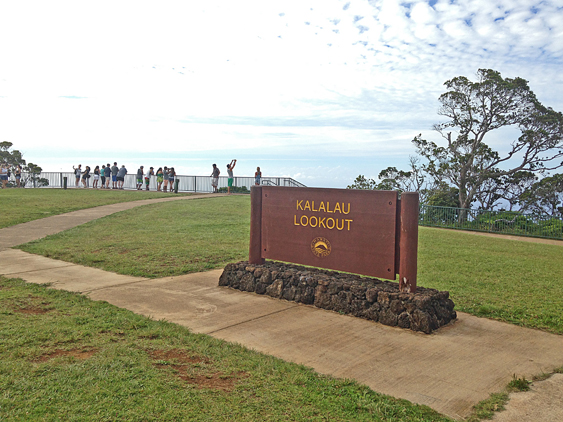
[545, 196]
[12, 158]
[31, 172]
[413, 180]
[473, 110]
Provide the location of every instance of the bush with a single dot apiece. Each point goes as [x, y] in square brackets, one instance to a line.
[235, 189]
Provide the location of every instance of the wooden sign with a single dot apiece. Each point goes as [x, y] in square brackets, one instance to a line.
[363, 232]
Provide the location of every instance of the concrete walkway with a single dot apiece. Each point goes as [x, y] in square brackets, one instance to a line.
[450, 370]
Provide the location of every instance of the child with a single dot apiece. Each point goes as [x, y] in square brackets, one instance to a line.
[257, 176]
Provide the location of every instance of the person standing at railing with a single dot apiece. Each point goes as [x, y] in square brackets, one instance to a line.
[103, 176]
[77, 174]
[150, 173]
[215, 177]
[121, 176]
[18, 174]
[4, 175]
[114, 171]
[140, 178]
[171, 176]
[96, 177]
[86, 176]
[257, 176]
[107, 173]
[159, 178]
[230, 168]
[165, 176]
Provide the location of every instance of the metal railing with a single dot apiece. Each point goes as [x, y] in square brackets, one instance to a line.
[503, 222]
[186, 183]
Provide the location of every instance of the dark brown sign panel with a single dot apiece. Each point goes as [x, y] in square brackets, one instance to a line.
[346, 230]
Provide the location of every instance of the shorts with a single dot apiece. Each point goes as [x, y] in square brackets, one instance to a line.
[159, 179]
[147, 181]
[103, 179]
[120, 179]
[171, 179]
[230, 182]
[257, 180]
[3, 177]
[96, 177]
[114, 178]
[18, 177]
[139, 180]
[214, 181]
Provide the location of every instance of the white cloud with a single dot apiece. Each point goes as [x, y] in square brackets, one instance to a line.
[135, 75]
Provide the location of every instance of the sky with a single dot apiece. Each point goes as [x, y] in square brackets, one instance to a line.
[317, 90]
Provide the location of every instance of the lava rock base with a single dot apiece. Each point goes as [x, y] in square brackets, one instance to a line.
[368, 298]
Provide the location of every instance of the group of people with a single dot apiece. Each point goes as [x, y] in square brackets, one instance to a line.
[102, 177]
[5, 173]
[165, 177]
[230, 167]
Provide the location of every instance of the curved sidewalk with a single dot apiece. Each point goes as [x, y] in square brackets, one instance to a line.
[450, 370]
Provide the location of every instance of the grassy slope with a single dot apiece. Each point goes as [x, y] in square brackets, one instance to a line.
[158, 240]
[508, 280]
[503, 279]
[22, 205]
[66, 357]
[517, 282]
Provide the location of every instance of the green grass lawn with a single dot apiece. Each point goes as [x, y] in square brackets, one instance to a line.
[513, 281]
[63, 356]
[23, 205]
[509, 280]
[158, 240]
[66, 357]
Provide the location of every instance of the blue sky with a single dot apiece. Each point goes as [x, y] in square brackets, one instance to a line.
[317, 90]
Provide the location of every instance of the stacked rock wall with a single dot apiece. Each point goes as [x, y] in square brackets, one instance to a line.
[369, 298]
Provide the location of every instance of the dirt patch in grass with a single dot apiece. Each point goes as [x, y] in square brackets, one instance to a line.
[176, 356]
[80, 354]
[188, 367]
[217, 381]
[27, 306]
[31, 310]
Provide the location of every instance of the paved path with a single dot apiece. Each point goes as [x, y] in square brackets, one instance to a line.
[450, 370]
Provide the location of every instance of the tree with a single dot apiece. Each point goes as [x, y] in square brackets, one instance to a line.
[414, 180]
[12, 158]
[31, 172]
[362, 183]
[474, 109]
[443, 195]
[545, 196]
[506, 187]
[515, 185]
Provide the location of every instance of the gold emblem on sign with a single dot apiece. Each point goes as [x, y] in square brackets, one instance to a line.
[320, 247]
